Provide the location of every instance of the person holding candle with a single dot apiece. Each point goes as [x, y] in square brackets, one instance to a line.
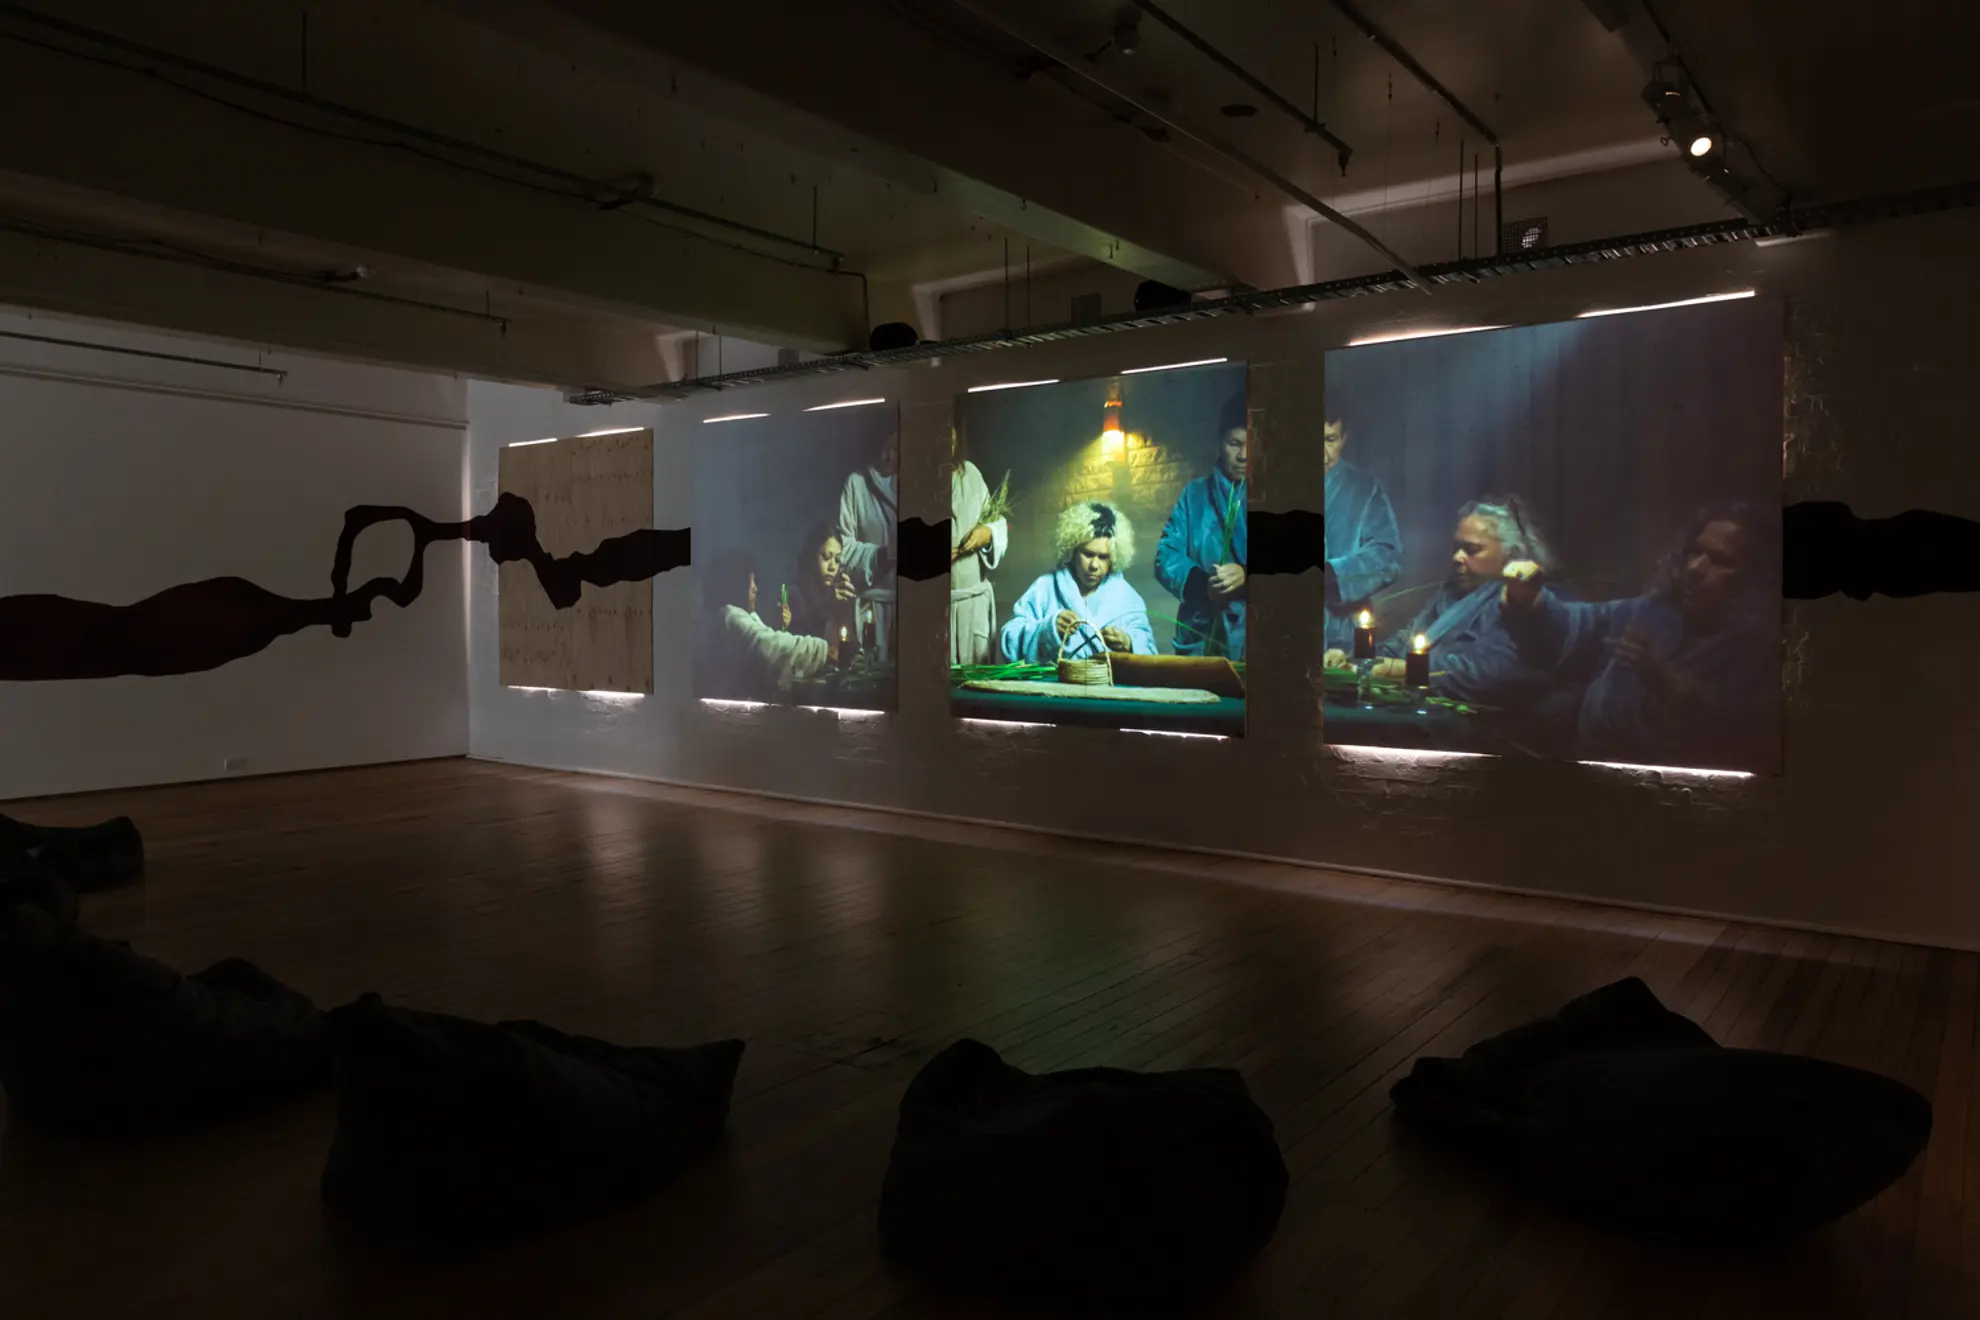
[1687, 673]
[1363, 544]
[821, 592]
[737, 655]
[1475, 660]
[869, 522]
[1085, 605]
[1200, 558]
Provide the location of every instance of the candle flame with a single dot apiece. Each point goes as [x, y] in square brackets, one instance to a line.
[1364, 620]
[1421, 644]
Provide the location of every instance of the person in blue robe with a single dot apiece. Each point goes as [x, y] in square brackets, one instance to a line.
[1472, 657]
[1083, 608]
[1364, 547]
[1202, 551]
[1200, 558]
[1687, 674]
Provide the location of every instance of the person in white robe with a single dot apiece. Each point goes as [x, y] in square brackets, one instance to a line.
[739, 657]
[1084, 607]
[975, 548]
[869, 522]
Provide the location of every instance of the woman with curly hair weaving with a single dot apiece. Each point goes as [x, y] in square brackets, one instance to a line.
[1084, 607]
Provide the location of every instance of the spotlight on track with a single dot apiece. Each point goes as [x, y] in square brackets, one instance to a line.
[1702, 145]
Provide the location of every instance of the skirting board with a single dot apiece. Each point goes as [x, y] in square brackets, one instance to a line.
[1556, 895]
[241, 775]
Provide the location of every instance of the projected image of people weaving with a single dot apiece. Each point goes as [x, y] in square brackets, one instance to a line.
[1103, 633]
[1560, 540]
[797, 595]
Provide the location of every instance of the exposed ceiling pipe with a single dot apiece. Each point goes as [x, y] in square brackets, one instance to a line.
[1249, 79]
[1395, 51]
[152, 249]
[248, 367]
[1079, 65]
[1797, 222]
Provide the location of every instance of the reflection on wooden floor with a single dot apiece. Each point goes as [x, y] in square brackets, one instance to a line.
[847, 948]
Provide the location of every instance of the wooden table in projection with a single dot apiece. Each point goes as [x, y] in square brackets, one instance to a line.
[1152, 693]
[584, 490]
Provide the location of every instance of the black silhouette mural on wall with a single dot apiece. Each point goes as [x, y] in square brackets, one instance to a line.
[1826, 549]
[1916, 553]
[203, 625]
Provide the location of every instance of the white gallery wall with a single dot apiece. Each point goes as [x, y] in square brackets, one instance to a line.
[1864, 831]
[122, 476]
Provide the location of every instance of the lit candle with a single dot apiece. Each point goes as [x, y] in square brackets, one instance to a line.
[1416, 666]
[1364, 636]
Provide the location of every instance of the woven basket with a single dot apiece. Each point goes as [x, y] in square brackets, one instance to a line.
[1086, 671]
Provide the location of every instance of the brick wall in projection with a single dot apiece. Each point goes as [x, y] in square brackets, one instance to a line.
[1859, 831]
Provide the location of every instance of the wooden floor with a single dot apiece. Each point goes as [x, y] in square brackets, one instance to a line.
[846, 948]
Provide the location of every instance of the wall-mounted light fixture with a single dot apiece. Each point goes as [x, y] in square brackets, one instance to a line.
[1113, 440]
[1401, 754]
[1010, 385]
[1174, 366]
[1658, 307]
[1401, 335]
[1686, 771]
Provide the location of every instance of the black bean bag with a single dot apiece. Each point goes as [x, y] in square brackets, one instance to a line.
[95, 1038]
[31, 896]
[456, 1131]
[1095, 1186]
[85, 858]
[1622, 1113]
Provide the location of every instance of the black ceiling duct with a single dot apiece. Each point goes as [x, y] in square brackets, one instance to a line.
[892, 336]
[1154, 296]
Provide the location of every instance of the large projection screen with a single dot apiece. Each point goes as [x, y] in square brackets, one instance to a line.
[1099, 537]
[1636, 458]
[795, 523]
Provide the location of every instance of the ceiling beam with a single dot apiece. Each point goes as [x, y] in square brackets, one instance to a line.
[123, 134]
[513, 343]
[1024, 152]
[602, 53]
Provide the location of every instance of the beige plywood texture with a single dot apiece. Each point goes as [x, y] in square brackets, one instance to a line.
[584, 490]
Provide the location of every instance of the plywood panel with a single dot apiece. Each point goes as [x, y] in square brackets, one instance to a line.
[584, 490]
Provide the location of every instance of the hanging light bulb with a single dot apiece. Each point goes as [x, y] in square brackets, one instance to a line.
[1113, 441]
